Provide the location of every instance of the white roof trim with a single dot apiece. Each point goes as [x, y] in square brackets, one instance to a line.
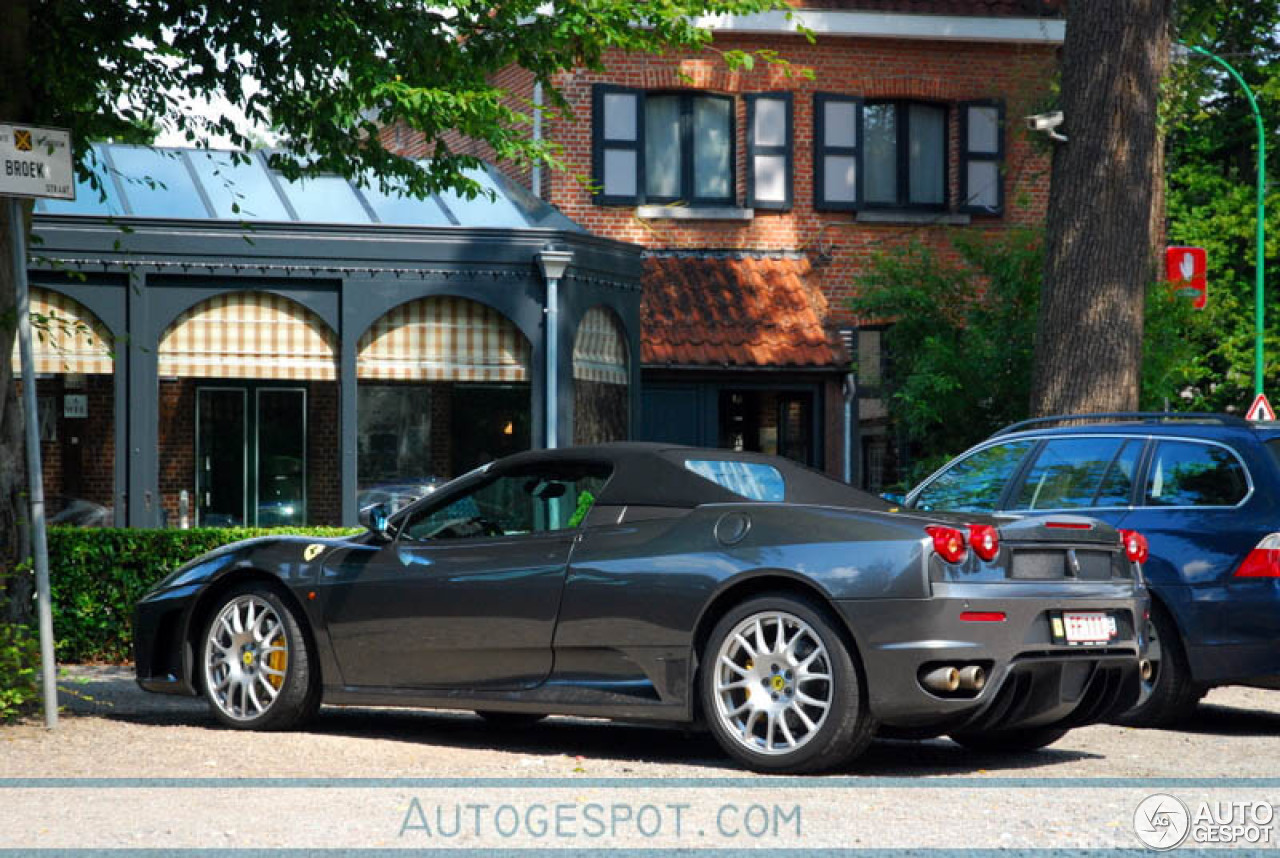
[963, 28]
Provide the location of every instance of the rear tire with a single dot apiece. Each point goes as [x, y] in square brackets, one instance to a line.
[780, 689]
[1171, 696]
[1014, 741]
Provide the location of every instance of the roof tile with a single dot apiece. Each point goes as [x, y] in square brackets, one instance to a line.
[749, 311]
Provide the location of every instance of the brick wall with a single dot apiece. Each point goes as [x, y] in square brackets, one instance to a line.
[177, 447]
[324, 464]
[871, 68]
[940, 72]
[79, 462]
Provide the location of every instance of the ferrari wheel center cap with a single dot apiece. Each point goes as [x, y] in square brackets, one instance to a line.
[247, 658]
[777, 682]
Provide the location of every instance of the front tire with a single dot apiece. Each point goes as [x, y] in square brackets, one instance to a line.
[1014, 741]
[780, 689]
[256, 662]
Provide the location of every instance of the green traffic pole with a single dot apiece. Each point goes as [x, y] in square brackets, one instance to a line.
[1261, 217]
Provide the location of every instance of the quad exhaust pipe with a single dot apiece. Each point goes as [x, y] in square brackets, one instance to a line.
[944, 680]
[1146, 669]
[949, 679]
[973, 678]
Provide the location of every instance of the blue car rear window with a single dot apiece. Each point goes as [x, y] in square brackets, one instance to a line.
[751, 480]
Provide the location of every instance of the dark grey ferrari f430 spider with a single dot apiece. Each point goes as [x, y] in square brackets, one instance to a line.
[794, 616]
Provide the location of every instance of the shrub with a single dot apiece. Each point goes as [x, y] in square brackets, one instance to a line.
[19, 659]
[97, 574]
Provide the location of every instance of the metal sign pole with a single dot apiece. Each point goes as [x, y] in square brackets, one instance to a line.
[35, 475]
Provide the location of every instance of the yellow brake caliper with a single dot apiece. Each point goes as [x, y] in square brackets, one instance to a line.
[278, 660]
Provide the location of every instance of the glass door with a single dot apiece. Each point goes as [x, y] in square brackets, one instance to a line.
[221, 437]
[251, 456]
[281, 456]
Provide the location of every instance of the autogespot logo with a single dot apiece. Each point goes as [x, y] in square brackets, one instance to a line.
[1161, 821]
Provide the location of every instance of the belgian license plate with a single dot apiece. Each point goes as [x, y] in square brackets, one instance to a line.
[1088, 627]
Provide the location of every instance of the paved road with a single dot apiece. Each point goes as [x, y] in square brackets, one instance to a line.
[415, 770]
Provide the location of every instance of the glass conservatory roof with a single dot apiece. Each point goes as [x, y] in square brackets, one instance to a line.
[199, 184]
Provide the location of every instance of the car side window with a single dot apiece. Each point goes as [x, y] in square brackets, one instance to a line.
[521, 502]
[1188, 473]
[975, 483]
[1079, 473]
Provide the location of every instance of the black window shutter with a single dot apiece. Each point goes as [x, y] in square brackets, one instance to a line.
[606, 151]
[982, 162]
[840, 151]
[759, 153]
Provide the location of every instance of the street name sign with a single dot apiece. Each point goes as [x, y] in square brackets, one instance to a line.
[1261, 410]
[36, 162]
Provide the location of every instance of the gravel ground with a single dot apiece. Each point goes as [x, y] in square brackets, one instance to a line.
[895, 795]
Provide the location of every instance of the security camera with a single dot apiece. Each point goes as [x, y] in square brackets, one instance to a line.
[1048, 124]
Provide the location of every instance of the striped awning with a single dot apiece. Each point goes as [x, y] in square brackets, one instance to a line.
[600, 348]
[249, 335]
[443, 339]
[66, 337]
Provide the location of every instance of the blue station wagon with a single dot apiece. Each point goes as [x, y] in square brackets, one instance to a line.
[1204, 489]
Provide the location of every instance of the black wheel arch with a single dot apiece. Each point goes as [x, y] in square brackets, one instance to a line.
[205, 602]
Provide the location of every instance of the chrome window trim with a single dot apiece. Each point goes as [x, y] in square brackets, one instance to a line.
[909, 502]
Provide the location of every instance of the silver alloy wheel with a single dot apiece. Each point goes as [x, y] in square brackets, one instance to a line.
[773, 683]
[246, 657]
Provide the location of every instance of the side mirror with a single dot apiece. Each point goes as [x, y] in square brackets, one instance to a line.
[894, 498]
[373, 518]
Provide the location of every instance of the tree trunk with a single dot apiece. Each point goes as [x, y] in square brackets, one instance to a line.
[1099, 233]
[15, 106]
[15, 588]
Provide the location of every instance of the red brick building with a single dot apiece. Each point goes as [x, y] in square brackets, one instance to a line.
[760, 196]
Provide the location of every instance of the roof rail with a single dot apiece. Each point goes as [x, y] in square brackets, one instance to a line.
[1135, 416]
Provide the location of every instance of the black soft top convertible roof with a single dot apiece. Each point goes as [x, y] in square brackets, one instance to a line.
[652, 474]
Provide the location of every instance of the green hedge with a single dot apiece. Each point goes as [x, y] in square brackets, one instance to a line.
[97, 574]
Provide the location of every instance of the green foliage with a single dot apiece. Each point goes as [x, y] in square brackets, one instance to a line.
[960, 348]
[19, 660]
[326, 76]
[1190, 357]
[959, 353]
[1211, 158]
[97, 574]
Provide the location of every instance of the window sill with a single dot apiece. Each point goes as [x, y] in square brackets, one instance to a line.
[694, 213]
[913, 217]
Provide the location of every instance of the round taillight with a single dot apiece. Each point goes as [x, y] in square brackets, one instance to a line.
[1135, 546]
[984, 539]
[948, 542]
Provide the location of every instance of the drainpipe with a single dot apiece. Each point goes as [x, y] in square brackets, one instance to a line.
[553, 264]
[850, 390]
[535, 175]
